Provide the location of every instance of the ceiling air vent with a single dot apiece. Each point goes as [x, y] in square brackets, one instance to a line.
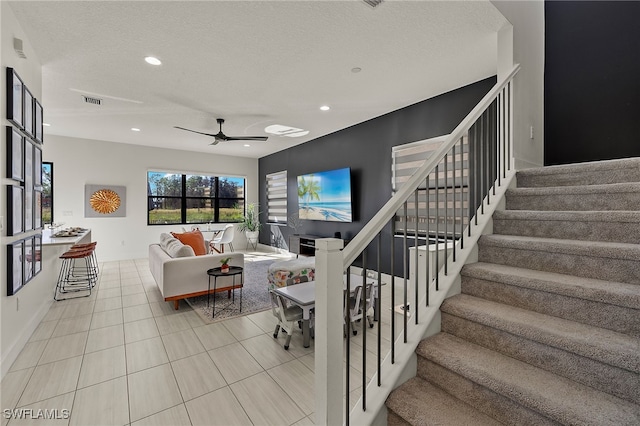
[90, 100]
[373, 3]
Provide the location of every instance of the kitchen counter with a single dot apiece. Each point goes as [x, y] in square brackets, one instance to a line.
[49, 240]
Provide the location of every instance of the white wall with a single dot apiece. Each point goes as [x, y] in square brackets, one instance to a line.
[17, 323]
[77, 162]
[527, 44]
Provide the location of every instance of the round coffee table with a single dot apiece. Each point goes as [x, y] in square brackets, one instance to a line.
[234, 271]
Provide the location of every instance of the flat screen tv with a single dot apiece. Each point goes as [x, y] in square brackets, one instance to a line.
[325, 196]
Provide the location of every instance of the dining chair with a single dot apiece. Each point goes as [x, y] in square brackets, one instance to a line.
[353, 309]
[222, 238]
[287, 316]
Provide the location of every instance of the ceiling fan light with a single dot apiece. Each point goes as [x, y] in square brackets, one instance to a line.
[280, 130]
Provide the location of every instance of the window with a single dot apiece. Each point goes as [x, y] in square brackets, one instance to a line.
[187, 199]
[406, 160]
[277, 197]
[47, 193]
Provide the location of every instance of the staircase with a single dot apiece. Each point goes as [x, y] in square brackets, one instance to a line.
[547, 328]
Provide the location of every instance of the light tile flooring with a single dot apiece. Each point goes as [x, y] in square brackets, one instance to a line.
[125, 357]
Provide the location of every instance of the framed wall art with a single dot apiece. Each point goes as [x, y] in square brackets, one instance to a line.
[15, 208]
[105, 201]
[15, 88]
[28, 185]
[15, 270]
[37, 210]
[15, 154]
[27, 262]
[37, 250]
[27, 111]
[38, 129]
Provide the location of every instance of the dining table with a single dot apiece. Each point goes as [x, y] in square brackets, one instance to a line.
[304, 295]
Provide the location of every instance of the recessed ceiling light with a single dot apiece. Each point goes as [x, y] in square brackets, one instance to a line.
[247, 145]
[153, 61]
[46, 124]
[325, 108]
[356, 69]
[135, 129]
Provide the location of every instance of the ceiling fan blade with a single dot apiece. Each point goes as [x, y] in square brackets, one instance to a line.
[247, 138]
[215, 142]
[195, 131]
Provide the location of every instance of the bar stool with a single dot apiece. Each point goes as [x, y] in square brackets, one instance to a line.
[94, 258]
[70, 281]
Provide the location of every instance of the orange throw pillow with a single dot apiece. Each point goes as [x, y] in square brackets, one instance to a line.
[193, 239]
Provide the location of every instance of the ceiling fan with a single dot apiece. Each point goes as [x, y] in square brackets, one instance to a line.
[219, 137]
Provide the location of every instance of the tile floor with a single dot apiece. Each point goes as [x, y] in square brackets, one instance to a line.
[125, 357]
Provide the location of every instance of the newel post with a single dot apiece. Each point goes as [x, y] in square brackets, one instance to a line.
[329, 332]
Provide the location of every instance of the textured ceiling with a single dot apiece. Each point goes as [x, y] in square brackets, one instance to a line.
[254, 63]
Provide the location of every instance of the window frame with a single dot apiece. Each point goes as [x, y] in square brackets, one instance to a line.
[45, 164]
[184, 198]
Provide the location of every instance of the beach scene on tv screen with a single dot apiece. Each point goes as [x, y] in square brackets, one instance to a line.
[325, 196]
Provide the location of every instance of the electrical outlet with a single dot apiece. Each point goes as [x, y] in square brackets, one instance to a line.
[531, 132]
[17, 303]
[122, 242]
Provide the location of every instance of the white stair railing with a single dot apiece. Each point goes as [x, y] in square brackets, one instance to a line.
[439, 206]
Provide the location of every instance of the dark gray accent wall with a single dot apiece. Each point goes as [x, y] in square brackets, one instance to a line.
[366, 149]
[592, 81]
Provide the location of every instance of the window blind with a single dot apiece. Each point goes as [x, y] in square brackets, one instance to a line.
[432, 210]
[277, 197]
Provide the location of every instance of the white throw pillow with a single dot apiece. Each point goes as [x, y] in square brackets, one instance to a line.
[174, 248]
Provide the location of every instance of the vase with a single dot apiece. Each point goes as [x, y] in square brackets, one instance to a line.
[224, 269]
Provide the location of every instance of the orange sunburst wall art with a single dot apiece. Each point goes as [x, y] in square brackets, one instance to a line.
[105, 201]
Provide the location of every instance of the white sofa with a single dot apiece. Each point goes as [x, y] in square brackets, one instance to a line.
[180, 274]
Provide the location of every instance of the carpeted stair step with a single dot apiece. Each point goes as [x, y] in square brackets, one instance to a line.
[600, 358]
[590, 259]
[514, 392]
[607, 304]
[615, 196]
[616, 226]
[592, 173]
[418, 402]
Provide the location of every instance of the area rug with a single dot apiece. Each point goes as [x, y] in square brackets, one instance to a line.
[255, 295]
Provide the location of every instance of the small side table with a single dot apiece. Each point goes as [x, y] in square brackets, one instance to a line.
[234, 271]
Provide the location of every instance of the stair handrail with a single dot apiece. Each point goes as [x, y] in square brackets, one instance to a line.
[360, 242]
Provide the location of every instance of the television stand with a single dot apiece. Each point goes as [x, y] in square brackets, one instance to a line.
[303, 244]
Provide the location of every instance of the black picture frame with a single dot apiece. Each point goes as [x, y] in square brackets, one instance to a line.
[15, 209]
[28, 185]
[37, 167]
[38, 122]
[15, 154]
[15, 88]
[15, 269]
[37, 250]
[37, 210]
[27, 111]
[27, 260]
